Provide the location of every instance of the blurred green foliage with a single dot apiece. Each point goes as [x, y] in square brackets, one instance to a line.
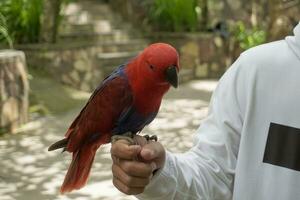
[22, 19]
[174, 15]
[4, 35]
[248, 37]
[3, 130]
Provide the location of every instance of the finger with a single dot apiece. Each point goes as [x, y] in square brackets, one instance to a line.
[130, 181]
[140, 140]
[137, 169]
[125, 189]
[123, 150]
[115, 159]
[151, 151]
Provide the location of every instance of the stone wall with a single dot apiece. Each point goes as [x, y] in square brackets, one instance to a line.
[13, 90]
[202, 55]
[74, 65]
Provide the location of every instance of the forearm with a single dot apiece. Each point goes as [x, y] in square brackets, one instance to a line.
[188, 176]
[164, 184]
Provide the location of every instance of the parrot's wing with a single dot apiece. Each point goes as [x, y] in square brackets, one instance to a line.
[97, 118]
[115, 74]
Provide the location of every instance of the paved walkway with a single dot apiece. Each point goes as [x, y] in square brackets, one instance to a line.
[28, 171]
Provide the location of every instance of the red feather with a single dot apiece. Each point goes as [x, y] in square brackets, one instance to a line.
[92, 128]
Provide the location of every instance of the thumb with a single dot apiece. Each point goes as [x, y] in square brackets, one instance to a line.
[153, 151]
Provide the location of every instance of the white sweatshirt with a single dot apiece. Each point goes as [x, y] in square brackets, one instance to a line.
[248, 148]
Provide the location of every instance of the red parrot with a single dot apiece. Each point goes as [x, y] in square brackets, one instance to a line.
[126, 101]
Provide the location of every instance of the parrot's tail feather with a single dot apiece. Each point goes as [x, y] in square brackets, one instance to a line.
[59, 144]
[79, 169]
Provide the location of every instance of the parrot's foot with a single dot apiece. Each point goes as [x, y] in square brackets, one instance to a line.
[126, 136]
[151, 138]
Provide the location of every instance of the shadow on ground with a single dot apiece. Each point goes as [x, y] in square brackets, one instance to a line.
[28, 171]
[49, 96]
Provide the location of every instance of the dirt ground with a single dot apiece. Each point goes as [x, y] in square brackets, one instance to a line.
[28, 171]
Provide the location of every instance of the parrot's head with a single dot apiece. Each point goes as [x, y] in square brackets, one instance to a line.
[151, 74]
[159, 65]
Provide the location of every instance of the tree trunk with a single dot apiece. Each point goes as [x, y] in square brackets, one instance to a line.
[13, 90]
[204, 14]
[50, 21]
[273, 11]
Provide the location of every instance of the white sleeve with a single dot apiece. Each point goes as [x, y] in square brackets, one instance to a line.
[207, 170]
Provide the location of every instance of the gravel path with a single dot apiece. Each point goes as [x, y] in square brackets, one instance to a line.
[28, 171]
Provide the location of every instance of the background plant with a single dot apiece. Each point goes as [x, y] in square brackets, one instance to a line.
[174, 15]
[23, 19]
[248, 37]
[4, 34]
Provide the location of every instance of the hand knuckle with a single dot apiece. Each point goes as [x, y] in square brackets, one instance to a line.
[114, 149]
[115, 160]
[127, 190]
[131, 154]
[129, 180]
[115, 183]
[114, 169]
[121, 188]
[127, 167]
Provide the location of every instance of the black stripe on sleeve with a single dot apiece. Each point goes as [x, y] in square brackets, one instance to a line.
[283, 146]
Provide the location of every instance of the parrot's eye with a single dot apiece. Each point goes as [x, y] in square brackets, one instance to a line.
[150, 66]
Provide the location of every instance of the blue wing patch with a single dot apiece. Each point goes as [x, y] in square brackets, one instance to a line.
[131, 121]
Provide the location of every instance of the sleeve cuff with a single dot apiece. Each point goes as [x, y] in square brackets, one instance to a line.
[162, 183]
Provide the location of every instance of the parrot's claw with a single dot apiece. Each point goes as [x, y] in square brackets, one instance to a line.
[150, 138]
[126, 136]
[147, 137]
[153, 137]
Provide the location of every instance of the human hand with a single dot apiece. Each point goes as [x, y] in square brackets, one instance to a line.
[133, 165]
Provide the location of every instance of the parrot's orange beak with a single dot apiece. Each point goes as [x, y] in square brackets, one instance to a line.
[171, 76]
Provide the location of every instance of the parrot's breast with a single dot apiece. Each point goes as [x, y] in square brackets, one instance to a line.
[132, 121]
